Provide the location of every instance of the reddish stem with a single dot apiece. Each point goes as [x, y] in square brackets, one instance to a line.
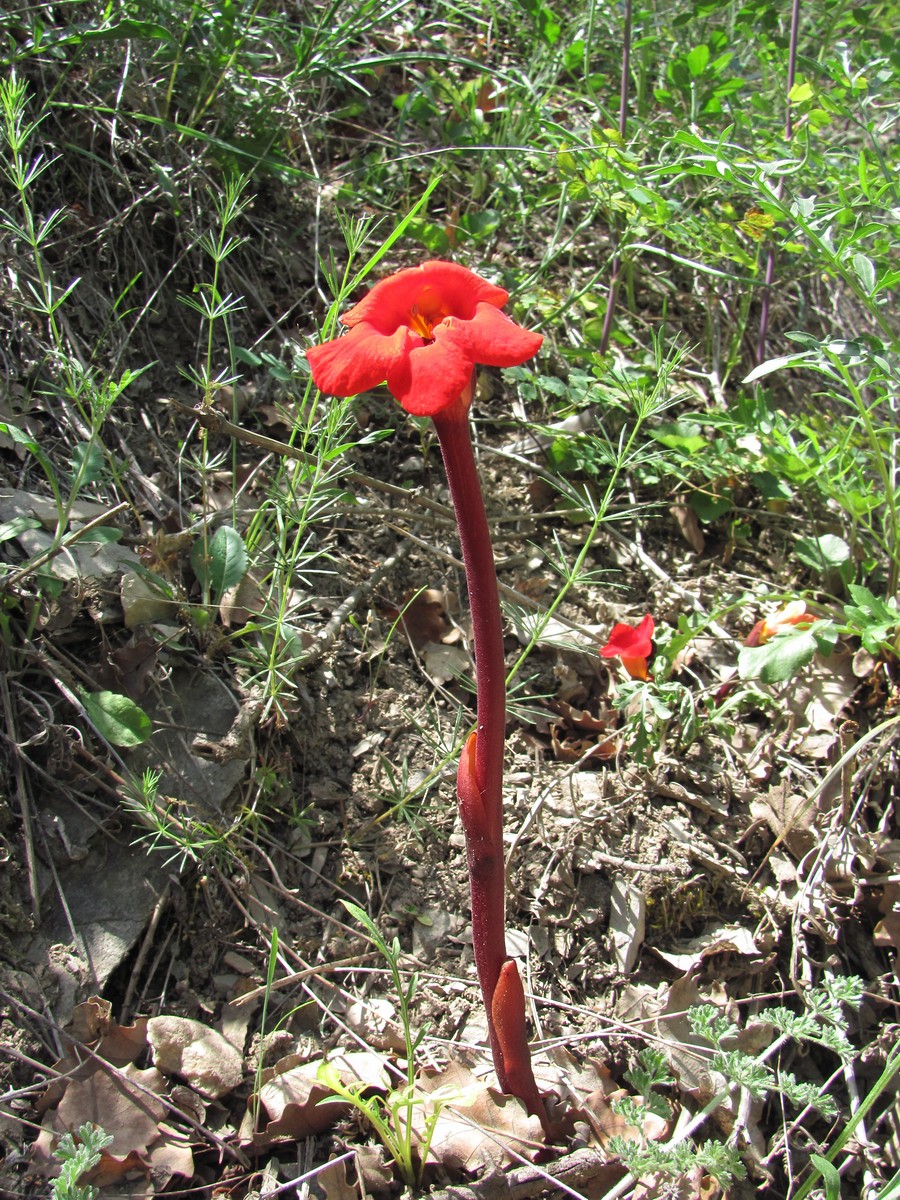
[480, 778]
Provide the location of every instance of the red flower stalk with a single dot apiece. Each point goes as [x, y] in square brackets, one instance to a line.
[422, 331]
[633, 645]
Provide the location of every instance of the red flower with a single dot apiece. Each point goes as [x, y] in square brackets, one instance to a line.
[422, 330]
[633, 645]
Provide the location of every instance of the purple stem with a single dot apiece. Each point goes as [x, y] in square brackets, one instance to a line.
[481, 810]
[788, 134]
[480, 779]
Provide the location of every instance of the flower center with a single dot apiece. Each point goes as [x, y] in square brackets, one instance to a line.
[427, 312]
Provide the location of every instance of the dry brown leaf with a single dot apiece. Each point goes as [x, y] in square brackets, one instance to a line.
[170, 1155]
[817, 697]
[688, 1054]
[732, 940]
[203, 1057]
[476, 1126]
[376, 1173]
[126, 669]
[689, 526]
[423, 616]
[627, 922]
[788, 814]
[333, 1181]
[241, 603]
[92, 1026]
[124, 1104]
[444, 663]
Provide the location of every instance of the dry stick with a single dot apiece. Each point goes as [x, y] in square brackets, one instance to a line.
[24, 804]
[788, 134]
[214, 422]
[144, 952]
[569, 1174]
[623, 125]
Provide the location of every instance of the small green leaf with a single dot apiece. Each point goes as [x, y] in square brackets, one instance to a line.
[823, 553]
[117, 718]
[865, 269]
[710, 508]
[830, 1175]
[800, 93]
[681, 435]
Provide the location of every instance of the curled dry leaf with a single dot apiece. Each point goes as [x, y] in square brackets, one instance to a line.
[579, 735]
[93, 1029]
[424, 617]
[199, 1054]
[887, 931]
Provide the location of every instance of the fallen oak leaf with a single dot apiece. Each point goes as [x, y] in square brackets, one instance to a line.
[124, 1103]
[476, 1127]
[298, 1101]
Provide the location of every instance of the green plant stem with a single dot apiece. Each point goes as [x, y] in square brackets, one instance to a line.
[480, 780]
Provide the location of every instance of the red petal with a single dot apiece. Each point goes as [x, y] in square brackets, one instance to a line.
[627, 642]
[432, 377]
[390, 302]
[497, 341]
[358, 361]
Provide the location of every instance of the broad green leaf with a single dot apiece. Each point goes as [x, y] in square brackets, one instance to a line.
[681, 435]
[89, 463]
[710, 508]
[221, 561]
[779, 659]
[103, 534]
[823, 553]
[697, 60]
[117, 718]
[12, 528]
